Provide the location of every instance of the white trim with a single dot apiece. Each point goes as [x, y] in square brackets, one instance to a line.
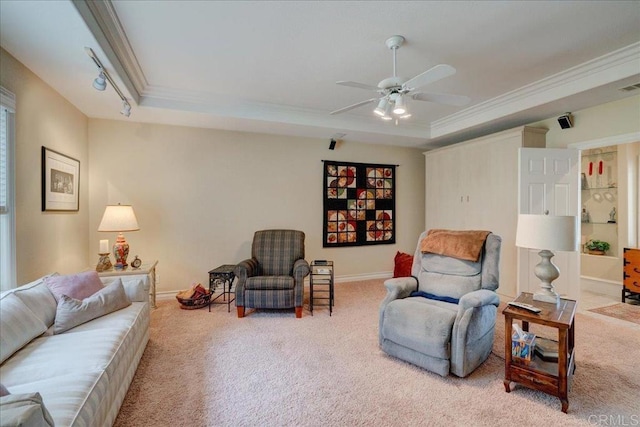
[625, 138]
[8, 99]
[171, 295]
[601, 286]
[614, 66]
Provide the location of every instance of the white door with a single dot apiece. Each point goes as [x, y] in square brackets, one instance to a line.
[549, 181]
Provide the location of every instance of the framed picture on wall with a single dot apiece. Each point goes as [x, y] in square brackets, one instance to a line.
[60, 181]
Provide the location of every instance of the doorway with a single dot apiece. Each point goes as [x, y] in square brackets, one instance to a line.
[609, 202]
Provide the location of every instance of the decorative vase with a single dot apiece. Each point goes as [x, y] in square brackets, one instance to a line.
[595, 252]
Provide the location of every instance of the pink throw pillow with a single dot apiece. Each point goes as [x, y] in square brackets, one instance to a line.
[78, 286]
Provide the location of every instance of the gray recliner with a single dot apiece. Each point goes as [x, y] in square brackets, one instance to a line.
[442, 336]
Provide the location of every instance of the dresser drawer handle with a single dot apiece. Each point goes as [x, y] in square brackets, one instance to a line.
[533, 379]
[636, 270]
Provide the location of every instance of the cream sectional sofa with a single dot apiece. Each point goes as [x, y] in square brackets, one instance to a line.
[82, 374]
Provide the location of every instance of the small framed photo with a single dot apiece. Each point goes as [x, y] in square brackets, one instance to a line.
[60, 182]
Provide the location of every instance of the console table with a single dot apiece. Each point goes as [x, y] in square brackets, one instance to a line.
[549, 377]
[147, 273]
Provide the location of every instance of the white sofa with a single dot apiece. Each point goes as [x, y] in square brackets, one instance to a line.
[82, 374]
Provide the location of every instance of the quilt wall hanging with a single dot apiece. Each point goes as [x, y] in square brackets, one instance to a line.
[359, 204]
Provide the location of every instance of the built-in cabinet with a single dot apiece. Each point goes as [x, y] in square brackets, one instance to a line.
[474, 185]
[599, 197]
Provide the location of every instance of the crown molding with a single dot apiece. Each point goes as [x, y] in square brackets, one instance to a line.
[625, 138]
[223, 106]
[614, 66]
[104, 24]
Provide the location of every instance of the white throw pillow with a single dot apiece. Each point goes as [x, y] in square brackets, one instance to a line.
[18, 326]
[24, 410]
[135, 290]
[72, 312]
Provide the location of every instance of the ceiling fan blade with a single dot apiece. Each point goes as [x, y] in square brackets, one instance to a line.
[358, 85]
[431, 75]
[442, 98]
[351, 107]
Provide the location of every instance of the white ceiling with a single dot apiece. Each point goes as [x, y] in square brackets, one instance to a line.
[271, 67]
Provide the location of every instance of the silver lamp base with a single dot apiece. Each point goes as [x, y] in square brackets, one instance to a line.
[547, 272]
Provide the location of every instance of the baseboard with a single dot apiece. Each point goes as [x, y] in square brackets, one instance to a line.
[170, 295]
[601, 286]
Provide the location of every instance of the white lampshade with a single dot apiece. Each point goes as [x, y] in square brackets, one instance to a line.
[119, 218]
[554, 233]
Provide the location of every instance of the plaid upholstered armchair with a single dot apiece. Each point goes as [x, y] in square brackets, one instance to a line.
[274, 275]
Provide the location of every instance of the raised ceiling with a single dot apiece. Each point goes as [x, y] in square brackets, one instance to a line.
[271, 67]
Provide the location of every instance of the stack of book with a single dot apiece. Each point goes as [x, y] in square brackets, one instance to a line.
[547, 349]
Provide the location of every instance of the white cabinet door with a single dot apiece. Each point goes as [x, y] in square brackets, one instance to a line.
[549, 182]
[442, 189]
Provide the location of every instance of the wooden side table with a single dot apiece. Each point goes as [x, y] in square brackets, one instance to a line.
[147, 272]
[549, 377]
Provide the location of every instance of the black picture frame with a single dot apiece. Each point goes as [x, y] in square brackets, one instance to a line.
[358, 204]
[60, 182]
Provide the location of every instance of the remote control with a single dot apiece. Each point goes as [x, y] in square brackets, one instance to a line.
[525, 306]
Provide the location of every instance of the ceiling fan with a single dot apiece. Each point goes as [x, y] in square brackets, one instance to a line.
[394, 91]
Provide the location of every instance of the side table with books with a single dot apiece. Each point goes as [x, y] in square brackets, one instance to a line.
[552, 364]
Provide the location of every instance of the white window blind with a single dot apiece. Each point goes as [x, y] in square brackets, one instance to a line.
[4, 161]
[7, 209]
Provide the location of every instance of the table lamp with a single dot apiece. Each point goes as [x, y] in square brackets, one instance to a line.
[119, 218]
[547, 233]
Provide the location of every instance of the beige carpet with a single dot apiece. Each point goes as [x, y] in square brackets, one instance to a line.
[270, 369]
[628, 312]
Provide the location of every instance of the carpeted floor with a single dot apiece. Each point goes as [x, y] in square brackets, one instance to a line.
[628, 312]
[271, 369]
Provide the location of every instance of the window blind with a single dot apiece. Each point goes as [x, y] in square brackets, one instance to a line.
[7, 107]
[4, 161]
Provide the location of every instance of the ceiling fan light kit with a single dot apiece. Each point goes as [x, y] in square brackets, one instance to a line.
[395, 90]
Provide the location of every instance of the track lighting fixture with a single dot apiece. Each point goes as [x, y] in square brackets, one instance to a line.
[126, 109]
[100, 82]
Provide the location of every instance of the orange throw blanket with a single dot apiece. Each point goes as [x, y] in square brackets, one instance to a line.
[465, 244]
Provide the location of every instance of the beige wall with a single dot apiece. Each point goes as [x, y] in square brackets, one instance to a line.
[602, 121]
[199, 195]
[46, 241]
[606, 120]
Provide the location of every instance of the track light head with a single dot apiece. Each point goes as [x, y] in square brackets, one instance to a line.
[126, 109]
[100, 82]
[332, 144]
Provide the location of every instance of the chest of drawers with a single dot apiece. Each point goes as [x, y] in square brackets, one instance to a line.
[631, 277]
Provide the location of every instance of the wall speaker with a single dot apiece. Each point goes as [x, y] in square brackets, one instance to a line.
[566, 121]
[332, 144]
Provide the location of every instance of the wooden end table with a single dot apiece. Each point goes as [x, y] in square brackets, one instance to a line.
[549, 377]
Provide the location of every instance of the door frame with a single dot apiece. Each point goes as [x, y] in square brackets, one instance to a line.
[621, 139]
